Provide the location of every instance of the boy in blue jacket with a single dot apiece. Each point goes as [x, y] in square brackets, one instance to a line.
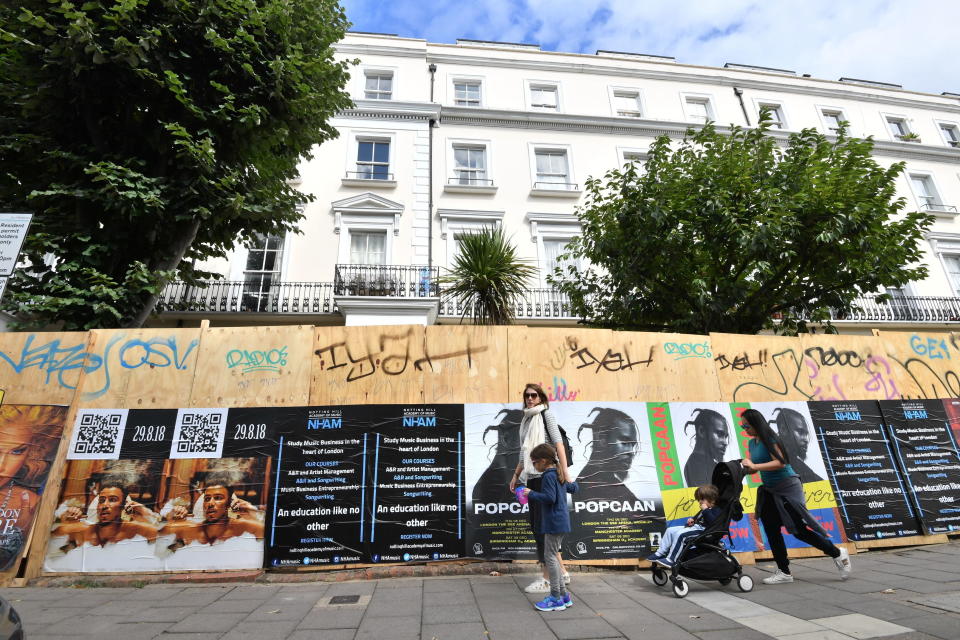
[554, 523]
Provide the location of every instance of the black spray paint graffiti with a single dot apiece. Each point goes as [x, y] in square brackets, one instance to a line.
[609, 361]
[919, 368]
[391, 357]
[742, 361]
[817, 371]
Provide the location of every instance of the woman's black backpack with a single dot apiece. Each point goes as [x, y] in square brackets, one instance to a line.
[566, 446]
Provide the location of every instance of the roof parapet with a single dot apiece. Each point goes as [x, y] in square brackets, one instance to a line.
[872, 83]
[756, 67]
[634, 56]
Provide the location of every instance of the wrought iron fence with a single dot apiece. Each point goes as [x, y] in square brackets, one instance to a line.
[537, 304]
[226, 296]
[904, 309]
[386, 281]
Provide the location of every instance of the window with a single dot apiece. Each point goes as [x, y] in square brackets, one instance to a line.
[378, 86]
[950, 133]
[776, 114]
[698, 109]
[373, 159]
[952, 265]
[544, 97]
[466, 93]
[262, 272]
[832, 119]
[553, 248]
[898, 128]
[368, 247]
[552, 169]
[925, 192]
[627, 103]
[470, 165]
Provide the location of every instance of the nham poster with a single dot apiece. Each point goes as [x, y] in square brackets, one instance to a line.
[871, 493]
[924, 446]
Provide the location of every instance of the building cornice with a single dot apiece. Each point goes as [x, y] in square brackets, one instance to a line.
[392, 110]
[675, 74]
[380, 50]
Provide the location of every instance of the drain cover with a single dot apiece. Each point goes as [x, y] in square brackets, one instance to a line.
[344, 599]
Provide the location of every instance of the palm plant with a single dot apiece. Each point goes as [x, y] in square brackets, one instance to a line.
[486, 277]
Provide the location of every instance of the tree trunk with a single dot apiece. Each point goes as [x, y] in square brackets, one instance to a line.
[177, 251]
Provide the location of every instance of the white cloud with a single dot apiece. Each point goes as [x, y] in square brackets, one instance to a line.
[908, 43]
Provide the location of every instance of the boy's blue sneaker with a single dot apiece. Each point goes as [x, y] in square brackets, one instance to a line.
[654, 557]
[663, 562]
[550, 604]
[567, 600]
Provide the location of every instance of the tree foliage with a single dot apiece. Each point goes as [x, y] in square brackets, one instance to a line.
[732, 232]
[487, 277]
[146, 135]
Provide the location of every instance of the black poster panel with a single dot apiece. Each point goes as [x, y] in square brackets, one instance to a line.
[252, 432]
[859, 458]
[416, 495]
[929, 459]
[315, 513]
[148, 434]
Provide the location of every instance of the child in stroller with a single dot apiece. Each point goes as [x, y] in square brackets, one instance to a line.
[672, 540]
[703, 556]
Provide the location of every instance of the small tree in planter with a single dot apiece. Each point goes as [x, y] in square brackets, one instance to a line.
[487, 277]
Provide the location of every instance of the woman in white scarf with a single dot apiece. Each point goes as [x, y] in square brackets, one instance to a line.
[539, 426]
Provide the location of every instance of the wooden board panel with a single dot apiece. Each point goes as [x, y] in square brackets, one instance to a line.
[909, 541]
[253, 367]
[925, 364]
[141, 369]
[758, 368]
[367, 365]
[43, 368]
[465, 364]
[846, 367]
[682, 369]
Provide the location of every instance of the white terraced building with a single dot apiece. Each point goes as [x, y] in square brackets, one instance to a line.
[449, 138]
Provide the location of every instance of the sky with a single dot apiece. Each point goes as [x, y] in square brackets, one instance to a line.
[906, 42]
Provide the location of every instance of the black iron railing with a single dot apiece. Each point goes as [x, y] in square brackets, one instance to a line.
[225, 296]
[934, 206]
[386, 281]
[369, 174]
[556, 186]
[904, 309]
[469, 181]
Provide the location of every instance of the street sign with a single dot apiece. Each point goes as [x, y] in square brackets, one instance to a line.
[13, 231]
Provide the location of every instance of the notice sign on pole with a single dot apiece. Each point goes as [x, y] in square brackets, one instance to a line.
[13, 231]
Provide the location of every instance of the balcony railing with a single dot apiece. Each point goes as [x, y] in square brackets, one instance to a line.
[369, 174]
[225, 296]
[469, 181]
[386, 280]
[546, 185]
[537, 304]
[937, 207]
[904, 309]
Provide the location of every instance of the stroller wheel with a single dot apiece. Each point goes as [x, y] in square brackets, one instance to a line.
[725, 581]
[745, 583]
[659, 576]
[680, 588]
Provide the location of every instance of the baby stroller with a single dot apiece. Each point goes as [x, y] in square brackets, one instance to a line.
[703, 556]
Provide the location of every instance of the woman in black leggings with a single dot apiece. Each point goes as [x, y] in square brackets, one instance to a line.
[781, 502]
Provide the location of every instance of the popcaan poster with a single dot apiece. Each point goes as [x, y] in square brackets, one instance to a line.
[29, 436]
[870, 491]
[165, 490]
[929, 458]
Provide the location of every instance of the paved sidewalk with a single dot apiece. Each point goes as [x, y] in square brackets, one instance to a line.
[911, 594]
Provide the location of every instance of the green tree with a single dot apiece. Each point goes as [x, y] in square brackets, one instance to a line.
[729, 231]
[147, 135]
[487, 277]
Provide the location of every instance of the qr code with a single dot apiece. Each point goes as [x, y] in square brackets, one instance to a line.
[97, 434]
[199, 433]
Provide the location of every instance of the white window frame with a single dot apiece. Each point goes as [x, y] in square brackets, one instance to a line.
[551, 226]
[623, 152]
[530, 85]
[365, 212]
[641, 111]
[353, 152]
[948, 124]
[480, 80]
[453, 143]
[456, 222]
[571, 175]
[821, 108]
[934, 198]
[354, 230]
[907, 126]
[367, 223]
[777, 109]
[942, 245]
[238, 261]
[379, 71]
[706, 98]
